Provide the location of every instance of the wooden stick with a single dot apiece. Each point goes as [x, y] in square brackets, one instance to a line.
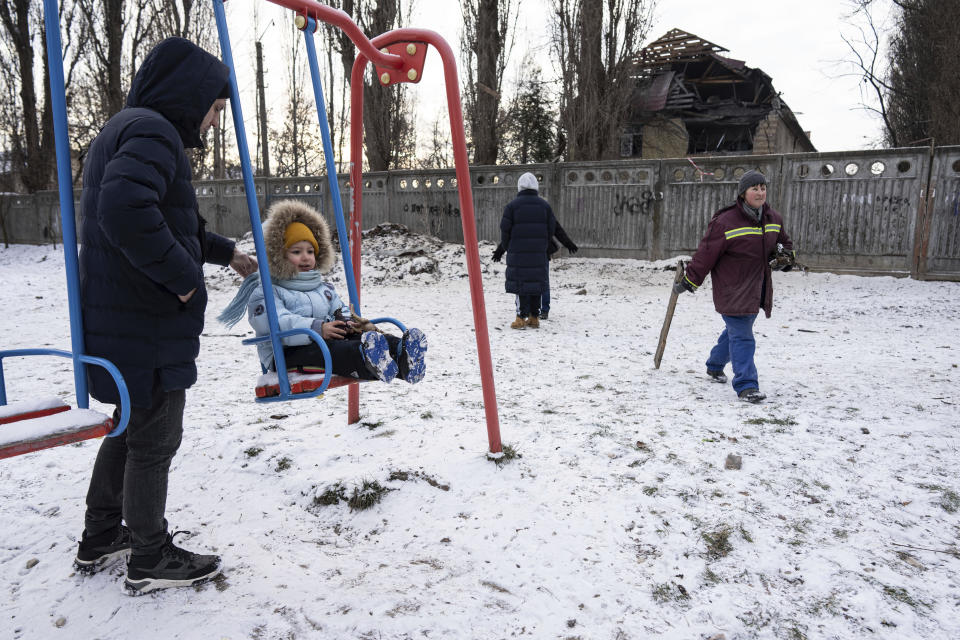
[666, 321]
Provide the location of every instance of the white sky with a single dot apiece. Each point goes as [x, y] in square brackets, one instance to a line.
[798, 45]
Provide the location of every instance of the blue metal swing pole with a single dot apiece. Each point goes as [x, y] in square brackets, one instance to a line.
[252, 205]
[68, 226]
[308, 28]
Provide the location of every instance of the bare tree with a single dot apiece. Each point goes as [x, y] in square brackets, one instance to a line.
[31, 132]
[594, 43]
[389, 133]
[924, 101]
[296, 145]
[439, 148]
[487, 39]
[868, 64]
[918, 88]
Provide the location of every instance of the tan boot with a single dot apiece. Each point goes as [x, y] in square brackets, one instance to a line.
[517, 324]
[533, 322]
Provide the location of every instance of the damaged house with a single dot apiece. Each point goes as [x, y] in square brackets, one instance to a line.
[693, 101]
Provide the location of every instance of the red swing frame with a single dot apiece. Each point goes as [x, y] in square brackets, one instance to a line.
[395, 62]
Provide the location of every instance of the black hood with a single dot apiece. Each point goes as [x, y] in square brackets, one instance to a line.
[179, 80]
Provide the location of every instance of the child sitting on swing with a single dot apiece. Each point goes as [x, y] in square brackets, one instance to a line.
[299, 250]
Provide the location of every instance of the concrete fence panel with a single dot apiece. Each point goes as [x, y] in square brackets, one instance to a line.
[694, 192]
[891, 211]
[940, 255]
[855, 212]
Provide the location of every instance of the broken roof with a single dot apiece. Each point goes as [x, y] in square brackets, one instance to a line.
[684, 74]
[676, 45]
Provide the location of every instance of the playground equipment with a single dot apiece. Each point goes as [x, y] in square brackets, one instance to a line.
[398, 56]
[43, 422]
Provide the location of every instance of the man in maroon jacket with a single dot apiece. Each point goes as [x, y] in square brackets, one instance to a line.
[736, 250]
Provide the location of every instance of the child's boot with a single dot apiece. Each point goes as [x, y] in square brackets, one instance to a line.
[376, 354]
[533, 322]
[413, 349]
[519, 323]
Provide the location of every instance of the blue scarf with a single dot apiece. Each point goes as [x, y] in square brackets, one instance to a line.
[231, 315]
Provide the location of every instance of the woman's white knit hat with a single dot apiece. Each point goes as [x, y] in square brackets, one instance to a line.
[528, 181]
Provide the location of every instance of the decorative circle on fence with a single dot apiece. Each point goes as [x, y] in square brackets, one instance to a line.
[572, 176]
[903, 166]
[540, 178]
[739, 171]
[606, 176]
[439, 183]
[453, 182]
[827, 170]
[719, 173]
[380, 183]
[428, 183]
[851, 168]
[481, 179]
[955, 166]
[877, 168]
[623, 176]
[803, 170]
[496, 179]
[679, 174]
[589, 176]
[403, 184]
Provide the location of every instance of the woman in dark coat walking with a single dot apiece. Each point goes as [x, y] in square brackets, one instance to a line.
[525, 231]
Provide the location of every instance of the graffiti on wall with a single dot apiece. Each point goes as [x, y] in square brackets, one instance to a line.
[632, 205]
[432, 210]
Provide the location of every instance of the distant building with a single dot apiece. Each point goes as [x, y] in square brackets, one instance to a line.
[691, 100]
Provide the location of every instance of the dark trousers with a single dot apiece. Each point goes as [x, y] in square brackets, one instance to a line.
[545, 296]
[528, 305]
[129, 478]
[736, 344]
[346, 356]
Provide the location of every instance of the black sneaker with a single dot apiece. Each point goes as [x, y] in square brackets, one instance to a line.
[96, 552]
[170, 566]
[544, 315]
[717, 376]
[752, 396]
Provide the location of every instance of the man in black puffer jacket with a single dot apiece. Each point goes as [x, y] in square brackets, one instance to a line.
[143, 299]
[525, 231]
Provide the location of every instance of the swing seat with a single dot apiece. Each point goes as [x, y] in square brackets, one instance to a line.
[32, 425]
[268, 385]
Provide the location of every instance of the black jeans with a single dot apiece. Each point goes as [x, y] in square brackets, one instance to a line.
[130, 475]
[346, 356]
[528, 305]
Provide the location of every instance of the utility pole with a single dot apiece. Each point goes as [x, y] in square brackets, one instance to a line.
[264, 148]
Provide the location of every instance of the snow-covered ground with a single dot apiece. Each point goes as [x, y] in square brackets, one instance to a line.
[617, 519]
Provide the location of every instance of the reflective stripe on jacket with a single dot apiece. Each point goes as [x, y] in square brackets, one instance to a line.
[736, 251]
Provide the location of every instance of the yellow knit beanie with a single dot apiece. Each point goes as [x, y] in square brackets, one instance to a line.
[297, 232]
